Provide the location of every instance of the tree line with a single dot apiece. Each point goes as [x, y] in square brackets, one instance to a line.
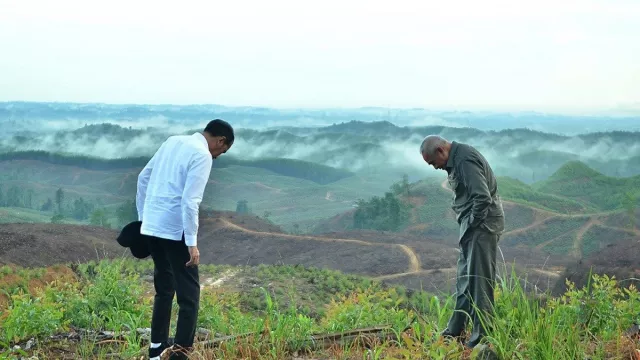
[65, 208]
[385, 213]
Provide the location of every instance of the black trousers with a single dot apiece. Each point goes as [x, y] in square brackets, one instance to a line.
[170, 277]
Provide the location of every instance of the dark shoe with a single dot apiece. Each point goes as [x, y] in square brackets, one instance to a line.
[449, 335]
[159, 351]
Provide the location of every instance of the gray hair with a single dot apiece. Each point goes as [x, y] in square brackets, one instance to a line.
[431, 143]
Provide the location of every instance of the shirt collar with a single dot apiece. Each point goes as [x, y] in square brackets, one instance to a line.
[452, 154]
[201, 139]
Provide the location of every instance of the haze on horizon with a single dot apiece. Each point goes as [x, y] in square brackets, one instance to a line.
[569, 56]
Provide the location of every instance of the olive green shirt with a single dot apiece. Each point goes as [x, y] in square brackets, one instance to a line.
[476, 202]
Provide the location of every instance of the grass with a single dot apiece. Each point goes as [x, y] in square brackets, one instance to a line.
[22, 215]
[110, 295]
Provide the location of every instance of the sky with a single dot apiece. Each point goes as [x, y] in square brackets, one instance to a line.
[560, 55]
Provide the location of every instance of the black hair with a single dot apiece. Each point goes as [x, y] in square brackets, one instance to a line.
[219, 127]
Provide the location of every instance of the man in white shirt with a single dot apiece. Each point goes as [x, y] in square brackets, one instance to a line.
[170, 190]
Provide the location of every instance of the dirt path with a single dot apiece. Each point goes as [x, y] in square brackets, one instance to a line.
[546, 272]
[542, 245]
[124, 180]
[414, 263]
[528, 227]
[421, 272]
[577, 243]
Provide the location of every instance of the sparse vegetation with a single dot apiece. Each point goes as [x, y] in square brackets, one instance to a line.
[110, 295]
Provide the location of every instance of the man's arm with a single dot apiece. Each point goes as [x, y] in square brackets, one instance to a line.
[476, 184]
[143, 181]
[197, 177]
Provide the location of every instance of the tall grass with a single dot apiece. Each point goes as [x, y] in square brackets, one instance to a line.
[109, 296]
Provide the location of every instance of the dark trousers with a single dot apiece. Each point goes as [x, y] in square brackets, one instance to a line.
[170, 277]
[475, 283]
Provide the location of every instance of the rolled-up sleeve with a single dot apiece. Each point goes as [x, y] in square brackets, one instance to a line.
[196, 180]
[477, 189]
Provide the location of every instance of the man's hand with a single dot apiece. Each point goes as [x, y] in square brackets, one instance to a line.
[195, 256]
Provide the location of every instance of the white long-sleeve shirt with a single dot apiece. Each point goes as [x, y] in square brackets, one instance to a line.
[171, 187]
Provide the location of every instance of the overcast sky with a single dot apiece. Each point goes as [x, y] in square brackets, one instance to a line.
[493, 54]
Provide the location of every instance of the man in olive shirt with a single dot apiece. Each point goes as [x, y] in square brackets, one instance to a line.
[479, 213]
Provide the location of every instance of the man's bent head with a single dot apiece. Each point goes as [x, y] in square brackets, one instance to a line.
[435, 151]
[220, 137]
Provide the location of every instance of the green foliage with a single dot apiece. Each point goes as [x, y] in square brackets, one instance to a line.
[99, 217]
[57, 218]
[109, 298]
[29, 316]
[381, 213]
[365, 309]
[81, 209]
[402, 187]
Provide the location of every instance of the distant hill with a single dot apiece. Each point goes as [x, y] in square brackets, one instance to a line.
[293, 192]
[576, 180]
[524, 154]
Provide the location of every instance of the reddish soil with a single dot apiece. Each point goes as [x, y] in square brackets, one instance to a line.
[36, 245]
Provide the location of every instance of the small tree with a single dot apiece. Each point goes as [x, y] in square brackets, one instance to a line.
[81, 209]
[47, 206]
[629, 202]
[57, 219]
[99, 218]
[59, 199]
[242, 207]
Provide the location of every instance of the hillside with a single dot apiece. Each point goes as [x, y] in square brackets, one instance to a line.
[292, 192]
[619, 260]
[578, 181]
[574, 223]
[42, 244]
[236, 239]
